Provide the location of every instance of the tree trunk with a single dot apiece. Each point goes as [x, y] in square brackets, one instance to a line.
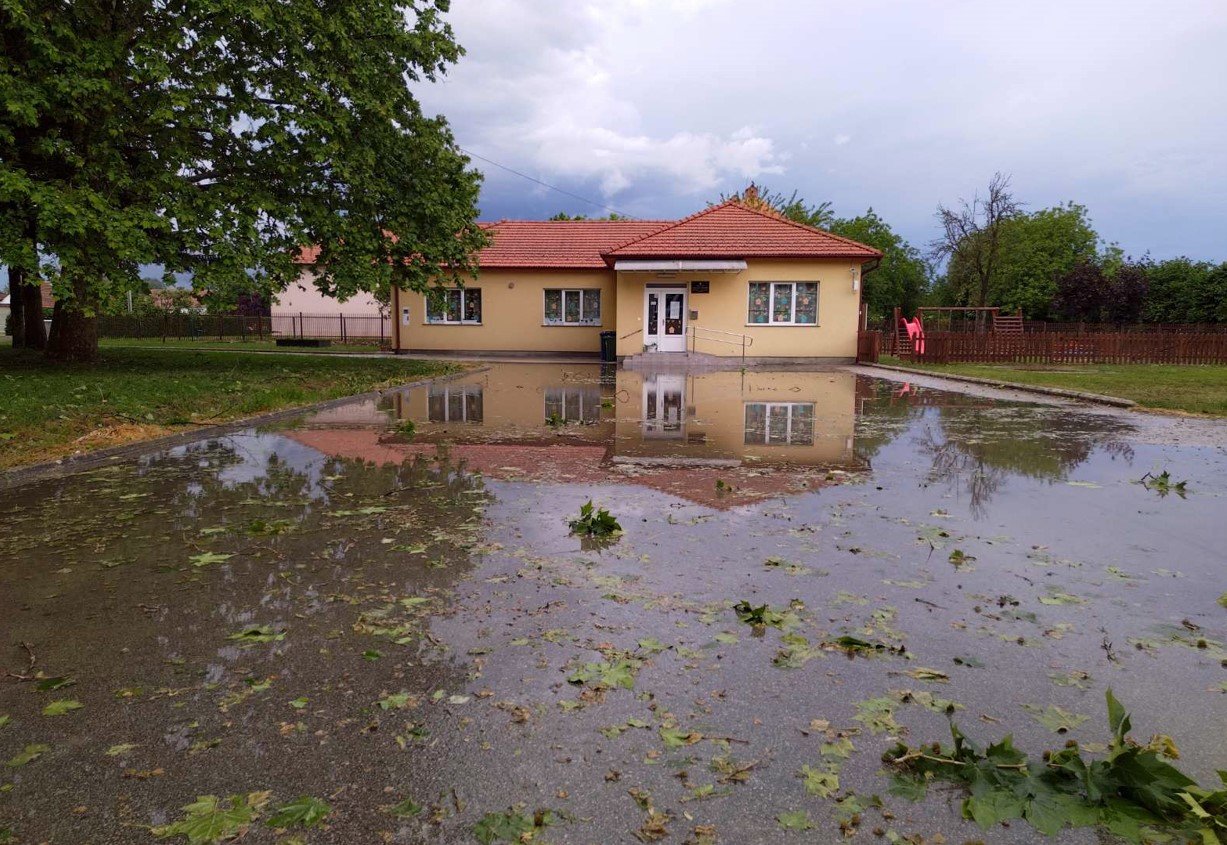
[74, 331]
[32, 304]
[17, 307]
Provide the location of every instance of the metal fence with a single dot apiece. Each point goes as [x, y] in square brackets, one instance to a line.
[346, 328]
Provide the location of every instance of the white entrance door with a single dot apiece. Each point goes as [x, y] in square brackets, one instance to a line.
[664, 318]
[664, 406]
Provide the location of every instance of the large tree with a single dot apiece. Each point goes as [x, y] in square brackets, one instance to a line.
[902, 277]
[971, 237]
[218, 137]
[1034, 251]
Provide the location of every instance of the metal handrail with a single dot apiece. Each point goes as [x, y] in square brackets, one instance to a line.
[742, 340]
[740, 337]
[630, 334]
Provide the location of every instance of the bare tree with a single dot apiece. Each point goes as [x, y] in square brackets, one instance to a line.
[971, 233]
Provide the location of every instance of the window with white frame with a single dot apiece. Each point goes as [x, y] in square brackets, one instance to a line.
[780, 423]
[573, 404]
[454, 306]
[461, 403]
[572, 307]
[783, 304]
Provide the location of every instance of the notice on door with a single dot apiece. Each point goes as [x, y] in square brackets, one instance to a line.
[675, 309]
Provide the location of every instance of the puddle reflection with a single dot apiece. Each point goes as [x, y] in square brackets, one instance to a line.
[782, 431]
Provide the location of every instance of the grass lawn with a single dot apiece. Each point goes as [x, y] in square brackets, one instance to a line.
[1199, 389]
[232, 344]
[49, 411]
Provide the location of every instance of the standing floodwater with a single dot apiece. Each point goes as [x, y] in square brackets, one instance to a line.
[374, 625]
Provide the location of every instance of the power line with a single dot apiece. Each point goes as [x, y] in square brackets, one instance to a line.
[546, 184]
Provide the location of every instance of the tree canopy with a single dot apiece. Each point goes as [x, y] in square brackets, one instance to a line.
[902, 277]
[1034, 250]
[218, 137]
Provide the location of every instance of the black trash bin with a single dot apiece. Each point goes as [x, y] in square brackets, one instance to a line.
[609, 347]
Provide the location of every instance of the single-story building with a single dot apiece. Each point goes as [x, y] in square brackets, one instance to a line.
[301, 308]
[728, 279]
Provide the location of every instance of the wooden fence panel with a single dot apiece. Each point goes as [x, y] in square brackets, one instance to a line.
[1075, 348]
[868, 347]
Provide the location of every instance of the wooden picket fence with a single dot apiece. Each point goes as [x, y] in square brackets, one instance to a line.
[868, 347]
[1069, 348]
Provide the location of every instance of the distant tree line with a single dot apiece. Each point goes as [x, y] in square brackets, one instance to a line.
[1048, 264]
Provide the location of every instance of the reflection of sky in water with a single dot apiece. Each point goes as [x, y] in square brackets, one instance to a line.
[249, 460]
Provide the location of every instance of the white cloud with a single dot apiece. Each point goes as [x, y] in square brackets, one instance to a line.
[659, 105]
[554, 103]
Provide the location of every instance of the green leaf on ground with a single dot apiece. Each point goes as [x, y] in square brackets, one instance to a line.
[1056, 596]
[595, 522]
[511, 826]
[395, 701]
[820, 782]
[877, 714]
[121, 749]
[406, 809]
[795, 820]
[49, 684]
[28, 755]
[256, 634]
[1130, 792]
[676, 738]
[1055, 718]
[607, 674]
[652, 645]
[208, 559]
[5, 719]
[304, 811]
[210, 819]
[62, 707]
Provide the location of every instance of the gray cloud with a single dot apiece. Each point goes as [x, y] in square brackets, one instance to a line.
[656, 107]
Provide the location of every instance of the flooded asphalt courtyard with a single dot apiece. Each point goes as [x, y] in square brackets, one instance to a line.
[351, 629]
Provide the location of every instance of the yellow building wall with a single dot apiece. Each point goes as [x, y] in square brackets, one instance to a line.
[513, 402]
[713, 415]
[513, 315]
[726, 309]
[513, 312]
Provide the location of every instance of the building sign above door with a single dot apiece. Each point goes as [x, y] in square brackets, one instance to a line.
[700, 287]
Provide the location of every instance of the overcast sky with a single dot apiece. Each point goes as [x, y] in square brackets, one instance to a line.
[654, 107]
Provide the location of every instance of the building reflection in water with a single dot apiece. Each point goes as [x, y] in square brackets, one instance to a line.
[758, 433]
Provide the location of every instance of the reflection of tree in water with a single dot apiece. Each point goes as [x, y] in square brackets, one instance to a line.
[881, 416]
[974, 443]
[978, 449]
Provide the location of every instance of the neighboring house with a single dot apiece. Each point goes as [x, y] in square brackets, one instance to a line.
[302, 301]
[6, 306]
[706, 284]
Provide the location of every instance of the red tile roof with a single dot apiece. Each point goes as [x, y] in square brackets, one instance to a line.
[44, 291]
[731, 230]
[559, 243]
[728, 230]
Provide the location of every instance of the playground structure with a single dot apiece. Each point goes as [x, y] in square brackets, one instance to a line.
[908, 338]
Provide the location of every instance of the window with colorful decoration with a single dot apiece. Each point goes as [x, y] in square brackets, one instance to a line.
[575, 307]
[783, 303]
[454, 306]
